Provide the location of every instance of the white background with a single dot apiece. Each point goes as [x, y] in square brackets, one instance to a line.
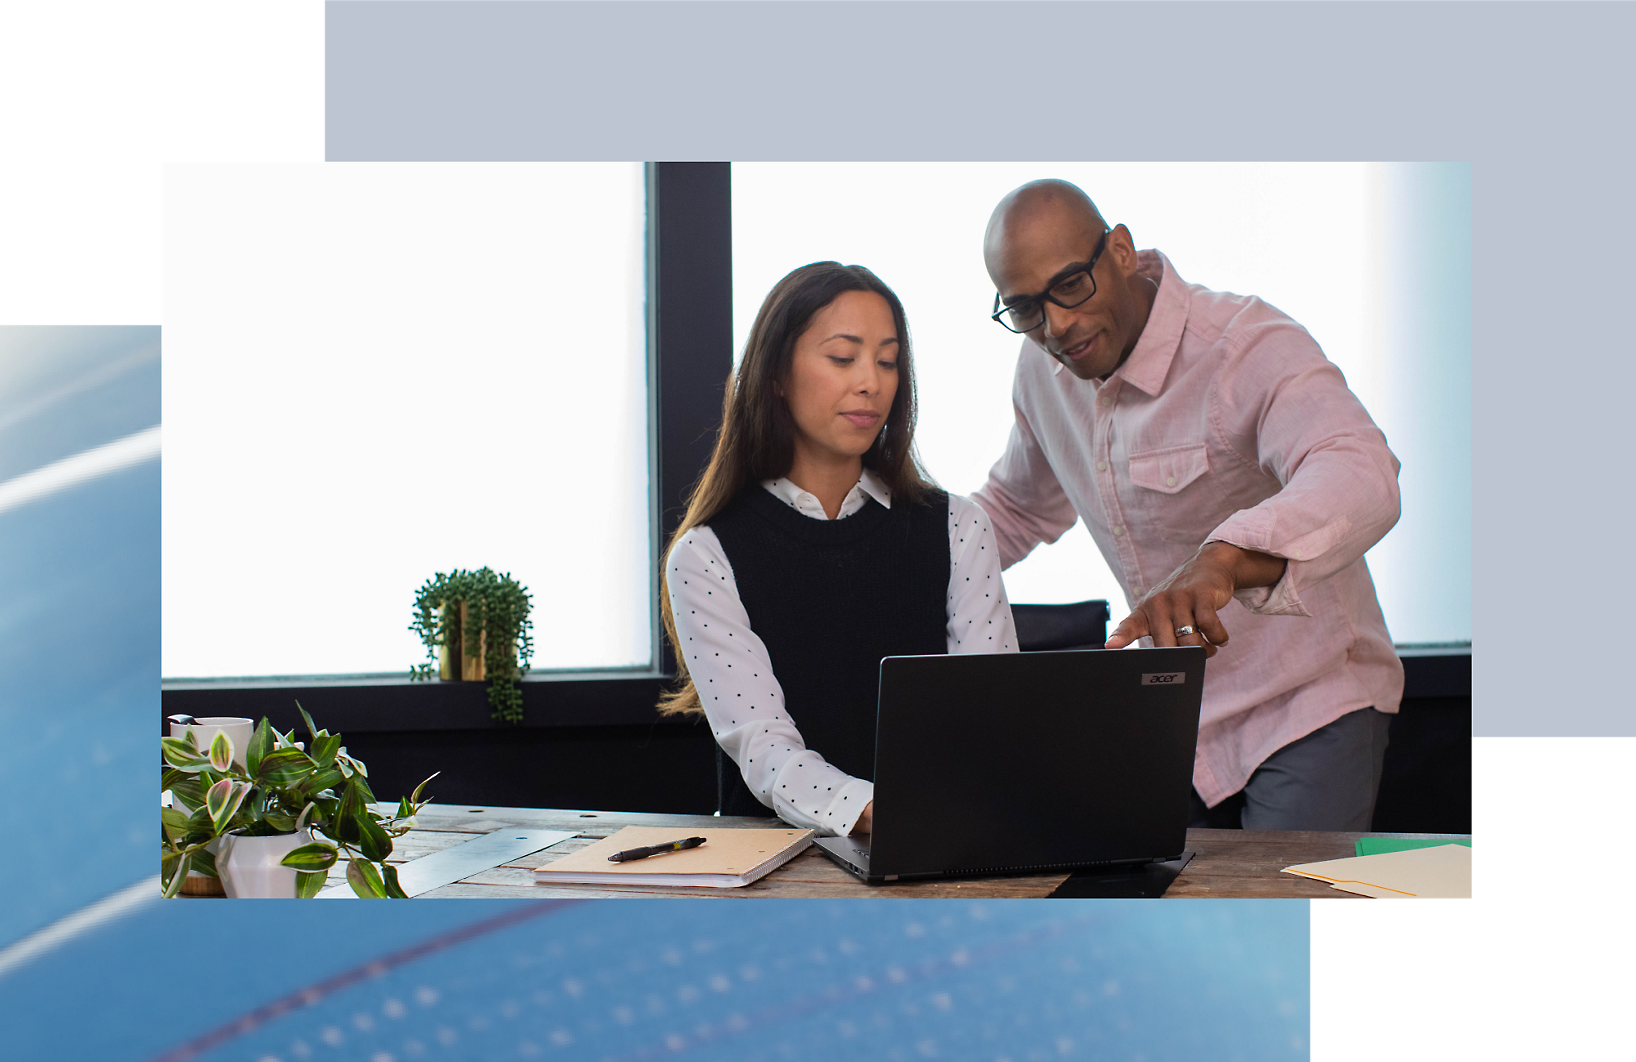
[1324, 242]
[1534, 968]
[375, 373]
[97, 94]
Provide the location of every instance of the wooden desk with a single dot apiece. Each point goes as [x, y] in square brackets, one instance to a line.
[1227, 862]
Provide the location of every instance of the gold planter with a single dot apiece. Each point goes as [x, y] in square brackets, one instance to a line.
[454, 663]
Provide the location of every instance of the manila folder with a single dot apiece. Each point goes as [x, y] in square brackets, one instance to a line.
[1443, 871]
[727, 859]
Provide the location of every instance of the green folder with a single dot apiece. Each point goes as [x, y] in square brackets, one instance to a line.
[1377, 845]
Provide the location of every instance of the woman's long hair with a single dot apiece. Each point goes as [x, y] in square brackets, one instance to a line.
[757, 437]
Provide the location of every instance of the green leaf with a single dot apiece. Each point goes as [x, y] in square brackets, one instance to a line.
[217, 799]
[346, 816]
[365, 880]
[223, 800]
[284, 768]
[365, 794]
[394, 891]
[221, 751]
[279, 822]
[204, 862]
[322, 780]
[172, 873]
[184, 784]
[261, 743]
[175, 825]
[325, 808]
[199, 821]
[310, 857]
[372, 839]
[311, 728]
[414, 798]
[186, 794]
[183, 755]
[307, 885]
[324, 747]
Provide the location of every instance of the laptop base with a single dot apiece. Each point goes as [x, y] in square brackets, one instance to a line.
[1130, 880]
[1146, 881]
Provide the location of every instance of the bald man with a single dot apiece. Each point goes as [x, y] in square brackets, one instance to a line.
[1232, 482]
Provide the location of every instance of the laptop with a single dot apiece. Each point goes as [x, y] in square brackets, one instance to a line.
[1027, 763]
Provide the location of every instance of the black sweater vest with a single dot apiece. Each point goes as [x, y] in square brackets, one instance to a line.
[829, 598]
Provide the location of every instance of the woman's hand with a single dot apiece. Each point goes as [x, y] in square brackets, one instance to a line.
[865, 821]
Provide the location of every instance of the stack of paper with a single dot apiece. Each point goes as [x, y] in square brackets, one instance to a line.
[1443, 871]
[726, 860]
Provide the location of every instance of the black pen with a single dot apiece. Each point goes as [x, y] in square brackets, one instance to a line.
[642, 853]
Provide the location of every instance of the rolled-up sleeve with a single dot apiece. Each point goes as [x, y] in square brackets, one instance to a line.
[742, 699]
[1284, 407]
[1023, 499]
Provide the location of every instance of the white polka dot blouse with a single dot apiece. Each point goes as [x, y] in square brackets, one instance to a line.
[742, 698]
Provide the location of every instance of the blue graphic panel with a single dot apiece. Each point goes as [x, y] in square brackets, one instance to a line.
[79, 622]
[786, 981]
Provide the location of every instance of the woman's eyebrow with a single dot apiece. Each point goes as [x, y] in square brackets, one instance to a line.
[858, 339]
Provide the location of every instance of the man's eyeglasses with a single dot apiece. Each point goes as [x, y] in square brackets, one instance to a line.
[1027, 314]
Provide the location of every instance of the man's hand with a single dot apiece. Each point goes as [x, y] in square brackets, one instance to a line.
[1193, 594]
[866, 820]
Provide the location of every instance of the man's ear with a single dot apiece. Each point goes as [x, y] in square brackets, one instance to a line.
[1123, 250]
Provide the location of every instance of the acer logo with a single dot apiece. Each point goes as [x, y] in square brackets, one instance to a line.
[1164, 678]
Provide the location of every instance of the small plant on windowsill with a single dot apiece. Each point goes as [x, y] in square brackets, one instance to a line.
[475, 627]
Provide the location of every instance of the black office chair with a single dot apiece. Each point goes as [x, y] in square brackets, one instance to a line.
[1081, 625]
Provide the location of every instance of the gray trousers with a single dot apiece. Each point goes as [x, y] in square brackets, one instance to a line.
[1324, 781]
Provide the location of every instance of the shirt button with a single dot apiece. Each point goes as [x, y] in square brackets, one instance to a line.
[1170, 481]
[1118, 531]
[1107, 400]
[1101, 466]
[1135, 591]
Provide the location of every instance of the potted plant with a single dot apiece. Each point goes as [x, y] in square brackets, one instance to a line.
[475, 627]
[279, 822]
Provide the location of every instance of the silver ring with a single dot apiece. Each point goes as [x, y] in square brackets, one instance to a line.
[1182, 632]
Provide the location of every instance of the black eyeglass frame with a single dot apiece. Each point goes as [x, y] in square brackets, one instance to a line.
[1000, 310]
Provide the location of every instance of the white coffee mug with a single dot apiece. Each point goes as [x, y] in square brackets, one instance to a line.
[238, 731]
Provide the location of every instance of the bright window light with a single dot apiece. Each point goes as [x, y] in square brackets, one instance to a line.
[373, 373]
[1373, 259]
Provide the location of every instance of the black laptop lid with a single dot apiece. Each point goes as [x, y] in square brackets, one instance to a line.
[1005, 761]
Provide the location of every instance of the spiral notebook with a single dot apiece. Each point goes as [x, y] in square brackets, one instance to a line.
[728, 858]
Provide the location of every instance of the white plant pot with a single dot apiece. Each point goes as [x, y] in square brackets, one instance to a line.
[249, 866]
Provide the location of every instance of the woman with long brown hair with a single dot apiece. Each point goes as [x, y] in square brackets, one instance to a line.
[813, 546]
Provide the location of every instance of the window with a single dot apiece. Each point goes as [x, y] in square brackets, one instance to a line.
[1374, 259]
[377, 372]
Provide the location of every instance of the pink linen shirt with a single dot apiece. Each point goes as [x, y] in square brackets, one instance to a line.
[1226, 423]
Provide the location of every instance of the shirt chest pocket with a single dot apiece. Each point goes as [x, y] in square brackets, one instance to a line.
[1170, 470]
